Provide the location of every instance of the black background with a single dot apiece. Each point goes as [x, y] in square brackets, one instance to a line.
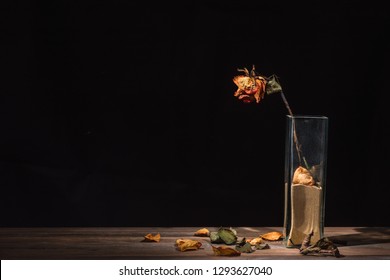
[120, 113]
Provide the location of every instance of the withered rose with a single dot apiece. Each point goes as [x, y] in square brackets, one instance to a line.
[252, 87]
[249, 88]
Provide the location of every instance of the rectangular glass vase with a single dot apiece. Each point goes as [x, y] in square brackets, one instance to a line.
[305, 178]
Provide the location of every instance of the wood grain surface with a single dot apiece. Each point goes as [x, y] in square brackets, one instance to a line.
[107, 243]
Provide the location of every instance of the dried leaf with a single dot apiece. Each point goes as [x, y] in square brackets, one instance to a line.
[214, 237]
[324, 246]
[255, 244]
[228, 235]
[225, 251]
[152, 238]
[242, 242]
[244, 247]
[233, 230]
[187, 244]
[255, 241]
[273, 85]
[202, 232]
[272, 236]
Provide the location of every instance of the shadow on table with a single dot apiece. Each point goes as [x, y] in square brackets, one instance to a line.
[365, 236]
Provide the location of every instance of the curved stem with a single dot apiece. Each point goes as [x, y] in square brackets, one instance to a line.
[297, 145]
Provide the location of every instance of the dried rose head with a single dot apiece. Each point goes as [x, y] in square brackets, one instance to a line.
[250, 87]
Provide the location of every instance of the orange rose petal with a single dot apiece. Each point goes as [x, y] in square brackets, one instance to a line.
[187, 244]
[202, 232]
[152, 238]
[257, 95]
[255, 241]
[272, 236]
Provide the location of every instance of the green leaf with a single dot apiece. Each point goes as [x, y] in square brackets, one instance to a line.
[233, 230]
[244, 248]
[273, 85]
[242, 242]
[214, 237]
[228, 235]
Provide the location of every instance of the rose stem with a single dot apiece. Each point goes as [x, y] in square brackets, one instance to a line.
[297, 146]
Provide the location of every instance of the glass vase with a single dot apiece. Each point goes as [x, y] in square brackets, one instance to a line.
[305, 178]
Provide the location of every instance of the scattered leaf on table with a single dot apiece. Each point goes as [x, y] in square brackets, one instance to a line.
[255, 241]
[244, 247]
[228, 235]
[324, 246]
[233, 230]
[188, 244]
[225, 251]
[272, 236]
[214, 237]
[242, 241]
[202, 232]
[152, 238]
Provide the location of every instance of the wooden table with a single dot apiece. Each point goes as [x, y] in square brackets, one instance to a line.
[125, 243]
